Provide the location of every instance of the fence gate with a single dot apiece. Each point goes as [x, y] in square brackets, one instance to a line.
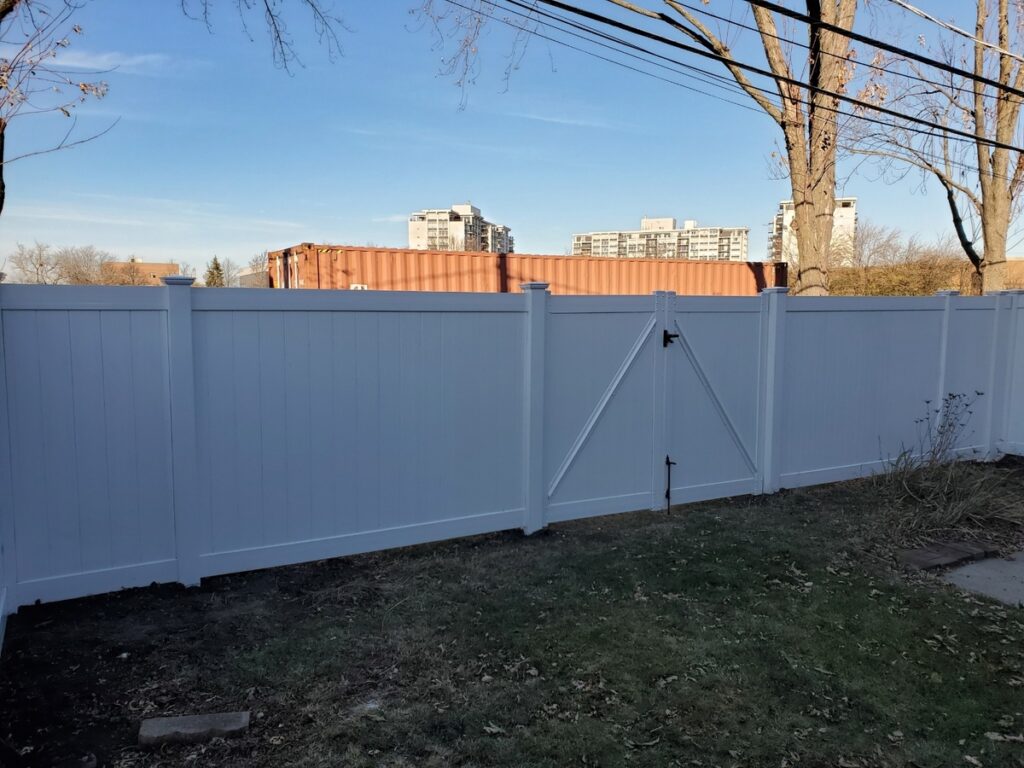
[713, 372]
[599, 405]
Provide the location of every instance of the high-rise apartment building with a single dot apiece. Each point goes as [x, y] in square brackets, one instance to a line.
[662, 239]
[459, 228]
[782, 245]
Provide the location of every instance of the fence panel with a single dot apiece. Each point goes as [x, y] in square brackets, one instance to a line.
[88, 425]
[329, 432]
[856, 375]
[599, 405]
[970, 358]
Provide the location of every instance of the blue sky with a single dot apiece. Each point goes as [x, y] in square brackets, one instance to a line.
[218, 152]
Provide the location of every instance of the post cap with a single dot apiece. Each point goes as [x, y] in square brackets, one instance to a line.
[780, 289]
[178, 280]
[534, 286]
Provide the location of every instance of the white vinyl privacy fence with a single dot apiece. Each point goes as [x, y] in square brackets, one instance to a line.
[167, 434]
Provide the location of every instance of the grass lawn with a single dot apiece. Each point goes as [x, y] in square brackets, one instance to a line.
[765, 631]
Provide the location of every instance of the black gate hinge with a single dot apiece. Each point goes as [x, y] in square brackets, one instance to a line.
[667, 338]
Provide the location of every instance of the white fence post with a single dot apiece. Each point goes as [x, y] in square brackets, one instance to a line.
[536, 295]
[1001, 384]
[8, 556]
[1014, 431]
[774, 313]
[664, 309]
[184, 459]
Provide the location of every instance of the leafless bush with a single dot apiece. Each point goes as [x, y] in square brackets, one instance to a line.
[928, 493]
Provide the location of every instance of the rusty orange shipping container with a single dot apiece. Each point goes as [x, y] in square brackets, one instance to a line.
[343, 267]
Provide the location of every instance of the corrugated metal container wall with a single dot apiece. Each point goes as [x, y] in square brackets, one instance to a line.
[397, 269]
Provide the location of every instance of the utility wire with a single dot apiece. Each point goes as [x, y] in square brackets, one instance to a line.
[786, 40]
[955, 29]
[606, 20]
[882, 45]
[534, 12]
[724, 82]
[570, 46]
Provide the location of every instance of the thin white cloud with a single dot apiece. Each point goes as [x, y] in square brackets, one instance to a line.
[391, 218]
[574, 122]
[385, 135]
[184, 217]
[123, 63]
[362, 131]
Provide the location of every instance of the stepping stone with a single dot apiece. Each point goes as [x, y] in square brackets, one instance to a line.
[941, 555]
[192, 729]
[1000, 579]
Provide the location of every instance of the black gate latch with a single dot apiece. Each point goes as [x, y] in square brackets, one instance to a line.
[668, 482]
[667, 338]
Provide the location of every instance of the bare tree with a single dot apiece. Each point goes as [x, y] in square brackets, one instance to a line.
[982, 182]
[258, 265]
[807, 116]
[74, 265]
[84, 265]
[231, 271]
[32, 80]
[36, 264]
[326, 23]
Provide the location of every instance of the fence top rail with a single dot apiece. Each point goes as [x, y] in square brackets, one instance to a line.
[975, 302]
[86, 297]
[570, 305]
[686, 304]
[872, 303]
[277, 300]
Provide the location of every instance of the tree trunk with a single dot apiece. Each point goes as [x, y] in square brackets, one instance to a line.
[812, 224]
[995, 224]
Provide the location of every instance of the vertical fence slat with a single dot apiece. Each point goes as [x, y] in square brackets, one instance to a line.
[8, 560]
[947, 319]
[184, 452]
[998, 392]
[774, 350]
[535, 496]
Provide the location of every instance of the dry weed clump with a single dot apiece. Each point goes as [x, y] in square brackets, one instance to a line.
[933, 491]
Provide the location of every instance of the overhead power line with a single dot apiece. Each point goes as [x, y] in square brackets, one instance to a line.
[535, 12]
[607, 20]
[884, 46]
[782, 39]
[956, 30]
[570, 46]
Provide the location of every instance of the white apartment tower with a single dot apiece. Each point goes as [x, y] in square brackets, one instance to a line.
[782, 245]
[459, 228]
[662, 239]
